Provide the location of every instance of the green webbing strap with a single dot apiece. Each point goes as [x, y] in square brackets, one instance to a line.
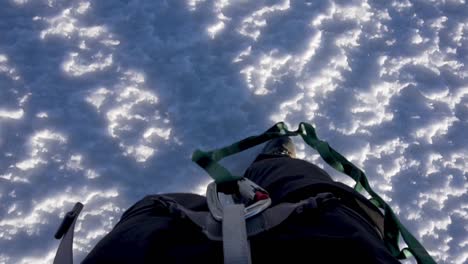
[392, 226]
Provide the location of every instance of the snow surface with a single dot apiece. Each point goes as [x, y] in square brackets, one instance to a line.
[103, 102]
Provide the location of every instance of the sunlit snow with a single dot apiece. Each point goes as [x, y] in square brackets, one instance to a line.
[103, 102]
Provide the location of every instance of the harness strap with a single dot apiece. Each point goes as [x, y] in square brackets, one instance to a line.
[393, 228]
[234, 229]
[236, 247]
[262, 222]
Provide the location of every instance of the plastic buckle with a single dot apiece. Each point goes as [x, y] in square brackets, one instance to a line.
[255, 198]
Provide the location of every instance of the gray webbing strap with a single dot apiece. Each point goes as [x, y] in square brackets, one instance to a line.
[236, 246]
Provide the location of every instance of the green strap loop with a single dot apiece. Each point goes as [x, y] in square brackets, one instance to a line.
[393, 228]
